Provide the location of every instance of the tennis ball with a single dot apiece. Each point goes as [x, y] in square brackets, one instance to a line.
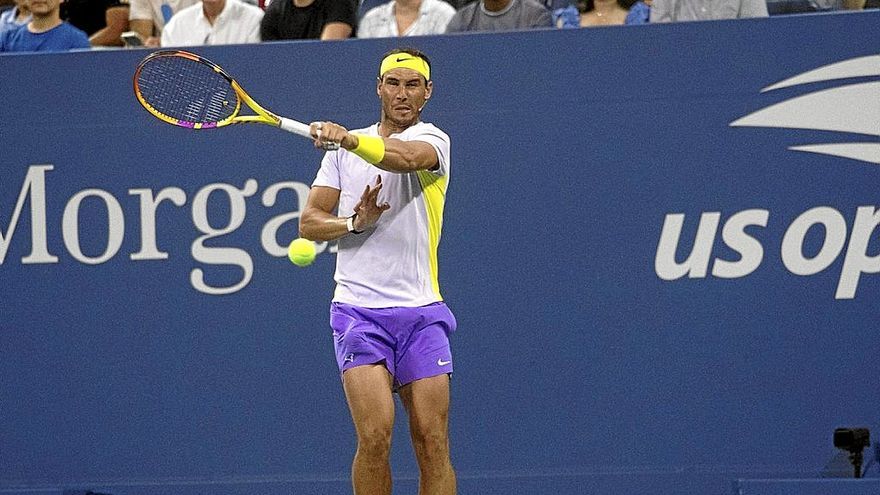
[301, 252]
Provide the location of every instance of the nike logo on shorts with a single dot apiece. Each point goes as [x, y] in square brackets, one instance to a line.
[441, 362]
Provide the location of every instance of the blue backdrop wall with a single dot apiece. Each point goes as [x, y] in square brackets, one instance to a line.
[656, 292]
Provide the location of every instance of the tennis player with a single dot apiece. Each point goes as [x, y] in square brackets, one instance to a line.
[381, 195]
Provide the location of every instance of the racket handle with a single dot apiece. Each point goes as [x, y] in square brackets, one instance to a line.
[295, 127]
[303, 130]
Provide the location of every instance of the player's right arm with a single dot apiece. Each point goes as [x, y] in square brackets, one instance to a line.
[318, 221]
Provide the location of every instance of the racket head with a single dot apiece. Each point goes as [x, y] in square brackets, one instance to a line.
[186, 90]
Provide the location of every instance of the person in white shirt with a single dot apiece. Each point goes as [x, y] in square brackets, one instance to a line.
[706, 10]
[148, 17]
[214, 22]
[406, 18]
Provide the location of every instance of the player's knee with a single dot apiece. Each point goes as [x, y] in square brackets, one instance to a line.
[375, 442]
[431, 446]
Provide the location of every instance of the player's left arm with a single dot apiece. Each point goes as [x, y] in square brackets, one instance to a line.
[397, 156]
[404, 156]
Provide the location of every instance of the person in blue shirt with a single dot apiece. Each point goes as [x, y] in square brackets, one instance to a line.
[45, 33]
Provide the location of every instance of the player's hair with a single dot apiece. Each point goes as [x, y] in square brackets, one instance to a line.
[415, 52]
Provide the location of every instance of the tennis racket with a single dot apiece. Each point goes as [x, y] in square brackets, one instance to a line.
[188, 90]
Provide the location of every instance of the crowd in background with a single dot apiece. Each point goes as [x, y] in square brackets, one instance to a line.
[58, 25]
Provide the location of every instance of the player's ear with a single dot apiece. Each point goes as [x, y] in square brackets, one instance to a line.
[429, 89]
[379, 86]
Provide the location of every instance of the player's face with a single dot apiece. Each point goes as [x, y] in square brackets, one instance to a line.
[403, 93]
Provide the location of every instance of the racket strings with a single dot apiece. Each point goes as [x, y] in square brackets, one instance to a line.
[186, 90]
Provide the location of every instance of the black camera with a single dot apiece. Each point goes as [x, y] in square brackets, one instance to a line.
[853, 440]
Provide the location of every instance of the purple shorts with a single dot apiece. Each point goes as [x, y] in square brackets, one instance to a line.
[413, 343]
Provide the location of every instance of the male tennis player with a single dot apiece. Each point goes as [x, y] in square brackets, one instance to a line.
[390, 325]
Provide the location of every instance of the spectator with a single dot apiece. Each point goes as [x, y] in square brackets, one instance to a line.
[500, 15]
[45, 33]
[148, 17]
[214, 22]
[704, 10]
[639, 13]
[102, 20]
[309, 19]
[604, 13]
[565, 13]
[368, 5]
[17, 16]
[406, 18]
[777, 7]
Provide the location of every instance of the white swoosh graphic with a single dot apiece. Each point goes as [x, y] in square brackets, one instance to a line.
[854, 67]
[853, 108]
[867, 152]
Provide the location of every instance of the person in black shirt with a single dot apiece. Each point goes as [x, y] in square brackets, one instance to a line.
[102, 20]
[309, 19]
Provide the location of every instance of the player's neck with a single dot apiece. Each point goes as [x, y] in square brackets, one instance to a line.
[303, 3]
[387, 127]
[496, 5]
[44, 22]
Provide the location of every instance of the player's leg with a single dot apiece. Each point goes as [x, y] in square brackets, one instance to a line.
[422, 372]
[368, 390]
[366, 361]
[427, 404]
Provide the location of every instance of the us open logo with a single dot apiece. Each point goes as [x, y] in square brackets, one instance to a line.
[852, 108]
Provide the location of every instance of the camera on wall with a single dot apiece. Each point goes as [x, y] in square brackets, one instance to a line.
[853, 440]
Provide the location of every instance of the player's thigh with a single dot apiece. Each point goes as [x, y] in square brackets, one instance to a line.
[427, 405]
[368, 391]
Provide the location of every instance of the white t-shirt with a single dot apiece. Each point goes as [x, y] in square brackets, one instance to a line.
[380, 21]
[157, 10]
[237, 23]
[393, 263]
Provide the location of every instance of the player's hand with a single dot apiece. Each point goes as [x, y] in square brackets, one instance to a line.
[368, 209]
[329, 135]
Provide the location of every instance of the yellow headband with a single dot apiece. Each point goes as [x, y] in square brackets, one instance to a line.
[406, 61]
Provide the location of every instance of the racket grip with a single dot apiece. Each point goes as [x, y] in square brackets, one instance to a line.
[295, 127]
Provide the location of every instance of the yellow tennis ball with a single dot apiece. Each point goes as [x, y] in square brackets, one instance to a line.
[301, 252]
